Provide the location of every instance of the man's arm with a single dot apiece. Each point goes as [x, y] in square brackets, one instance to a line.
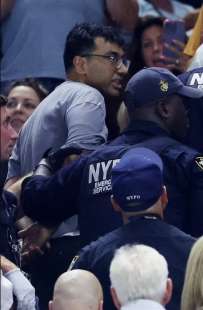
[34, 235]
[22, 288]
[85, 121]
[123, 13]
[50, 200]
[14, 165]
[15, 187]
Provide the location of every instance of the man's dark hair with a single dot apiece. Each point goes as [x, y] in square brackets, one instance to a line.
[3, 101]
[32, 83]
[81, 40]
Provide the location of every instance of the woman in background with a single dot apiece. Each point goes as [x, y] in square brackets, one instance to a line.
[23, 97]
[147, 48]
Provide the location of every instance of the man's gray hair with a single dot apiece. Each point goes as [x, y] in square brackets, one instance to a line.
[138, 272]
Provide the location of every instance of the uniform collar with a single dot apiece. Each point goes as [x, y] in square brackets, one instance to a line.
[147, 127]
[150, 216]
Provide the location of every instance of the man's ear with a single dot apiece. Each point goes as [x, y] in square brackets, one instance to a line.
[115, 206]
[164, 198]
[80, 64]
[168, 292]
[162, 109]
[115, 298]
[101, 305]
[50, 305]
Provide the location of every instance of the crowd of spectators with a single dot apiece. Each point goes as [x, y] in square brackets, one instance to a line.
[101, 155]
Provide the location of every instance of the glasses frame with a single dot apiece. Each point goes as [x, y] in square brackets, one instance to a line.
[115, 60]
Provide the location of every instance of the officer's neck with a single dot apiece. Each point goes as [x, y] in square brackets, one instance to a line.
[156, 210]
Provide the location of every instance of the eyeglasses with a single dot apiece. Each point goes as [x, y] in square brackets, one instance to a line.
[115, 60]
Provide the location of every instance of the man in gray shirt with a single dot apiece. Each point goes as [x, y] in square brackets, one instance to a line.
[74, 113]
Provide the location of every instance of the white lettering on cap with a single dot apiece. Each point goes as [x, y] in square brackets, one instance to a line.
[133, 197]
[196, 78]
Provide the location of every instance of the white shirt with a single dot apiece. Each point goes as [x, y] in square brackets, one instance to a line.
[22, 289]
[180, 10]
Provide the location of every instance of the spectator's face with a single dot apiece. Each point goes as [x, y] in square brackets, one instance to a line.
[22, 100]
[8, 135]
[101, 73]
[152, 46]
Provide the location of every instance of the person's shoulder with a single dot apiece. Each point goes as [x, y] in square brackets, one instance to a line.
[182, 153]
[177, 235]
[81, 88]
[108, 151]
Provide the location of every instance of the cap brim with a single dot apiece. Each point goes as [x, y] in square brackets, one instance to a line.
[190, 92]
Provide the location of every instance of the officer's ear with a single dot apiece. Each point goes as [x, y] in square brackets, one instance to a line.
[50, 305]
[115, 205]
[162, 109]
[164, 198]
[115, 298]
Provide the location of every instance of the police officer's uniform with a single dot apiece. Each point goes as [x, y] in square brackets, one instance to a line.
[85, 186]
[194, 78]
[9, 245]
[150, 230]
[183, 176]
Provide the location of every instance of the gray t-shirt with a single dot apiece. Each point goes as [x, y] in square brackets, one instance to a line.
[72, 115]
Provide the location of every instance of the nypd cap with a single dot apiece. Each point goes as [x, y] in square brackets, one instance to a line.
[137, 180]
[193, 78]
[153, 84]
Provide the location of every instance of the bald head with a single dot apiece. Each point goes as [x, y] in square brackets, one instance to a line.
[76, 290]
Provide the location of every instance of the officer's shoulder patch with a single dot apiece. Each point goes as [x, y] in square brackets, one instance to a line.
[163, 85]
[74, 260]
[199, 162]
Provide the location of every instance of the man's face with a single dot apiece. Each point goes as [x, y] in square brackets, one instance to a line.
[101, 73]
[178, 121]
[8, 135]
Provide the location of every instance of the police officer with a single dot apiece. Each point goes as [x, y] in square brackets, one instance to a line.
[154, 100]
[140, 196]
[158, 110]
[194, 78]
[9, 246]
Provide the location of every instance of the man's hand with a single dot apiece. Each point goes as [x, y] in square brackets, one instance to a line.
[35, 240]
[178, 63]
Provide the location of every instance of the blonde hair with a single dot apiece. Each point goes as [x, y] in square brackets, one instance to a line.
[192, 294]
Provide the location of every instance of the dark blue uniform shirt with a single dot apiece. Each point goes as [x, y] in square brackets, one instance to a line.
[171, 242]
[84, 187]
[194, 78]
[9, 245]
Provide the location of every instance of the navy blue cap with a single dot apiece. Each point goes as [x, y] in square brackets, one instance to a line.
[137, 179]
[193, 78]
[152, 84]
